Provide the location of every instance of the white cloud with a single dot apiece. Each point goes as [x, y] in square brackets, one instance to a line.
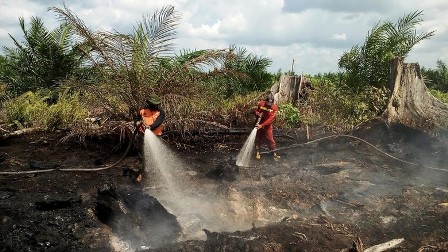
[313, 32]
[339, 36]
[236, 23]
[204, 31]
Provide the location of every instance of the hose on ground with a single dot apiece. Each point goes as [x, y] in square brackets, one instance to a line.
[264, 152]
[357, 138]
[77, 169]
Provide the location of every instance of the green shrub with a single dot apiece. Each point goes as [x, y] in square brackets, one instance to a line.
[288, 116]
[442, 96]
[343, 108]
[3, 88]
[32, 110]
[67, 111]
[24, 110]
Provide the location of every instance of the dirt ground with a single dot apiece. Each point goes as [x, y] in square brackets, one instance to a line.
[339, 193]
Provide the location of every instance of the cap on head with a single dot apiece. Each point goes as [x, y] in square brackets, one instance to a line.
[153, 99]
[269, 99]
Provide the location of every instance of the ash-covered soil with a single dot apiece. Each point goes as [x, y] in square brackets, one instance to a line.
[326, 194]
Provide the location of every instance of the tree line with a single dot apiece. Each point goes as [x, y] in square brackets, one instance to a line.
[72, 72]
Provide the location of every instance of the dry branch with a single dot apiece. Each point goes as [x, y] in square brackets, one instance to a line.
[384, 246]
[18, 133]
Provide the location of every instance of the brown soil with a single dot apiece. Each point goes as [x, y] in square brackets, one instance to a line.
[321, 196]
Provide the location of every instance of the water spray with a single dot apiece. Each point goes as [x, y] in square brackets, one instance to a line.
[243, 158]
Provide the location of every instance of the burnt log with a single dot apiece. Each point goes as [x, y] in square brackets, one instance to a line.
[136, 216]
[18, 133]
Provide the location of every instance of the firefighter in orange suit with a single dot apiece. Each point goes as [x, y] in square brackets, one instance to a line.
[149, 117]
[266, 112]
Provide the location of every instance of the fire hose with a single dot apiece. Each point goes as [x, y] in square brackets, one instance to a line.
[78, 169]
[357, 138]
[258, 120]
[264, 152]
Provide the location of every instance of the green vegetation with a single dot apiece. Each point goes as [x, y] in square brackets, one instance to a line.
[442, 96]
[113, 73]
[41, 61]
[33, 110]
[437, 78]
[289, 116]
[251, 74]
[369, 64]
[341, 107]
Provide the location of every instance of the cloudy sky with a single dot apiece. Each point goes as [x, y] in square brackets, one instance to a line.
[314, 33]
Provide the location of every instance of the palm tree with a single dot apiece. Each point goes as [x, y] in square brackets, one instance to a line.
[143, 62]
[437, 78]
[42, 60]
[252, 74]
[369, 64]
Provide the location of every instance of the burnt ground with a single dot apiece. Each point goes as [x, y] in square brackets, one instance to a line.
[321, 196]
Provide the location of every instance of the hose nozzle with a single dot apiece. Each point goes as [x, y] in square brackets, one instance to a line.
[258, 121]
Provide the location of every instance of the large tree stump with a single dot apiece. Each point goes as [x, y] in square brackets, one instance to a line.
[290, 89]
[287, 89]
[411, 103]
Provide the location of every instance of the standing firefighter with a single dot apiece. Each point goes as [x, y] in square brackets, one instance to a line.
[151, 117]
[265, 112]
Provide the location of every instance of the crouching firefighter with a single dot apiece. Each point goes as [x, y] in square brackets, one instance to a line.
[265, 113]
[150, 117]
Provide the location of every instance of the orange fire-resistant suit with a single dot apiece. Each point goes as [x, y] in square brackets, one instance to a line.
[265, 133]
[153, 120]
